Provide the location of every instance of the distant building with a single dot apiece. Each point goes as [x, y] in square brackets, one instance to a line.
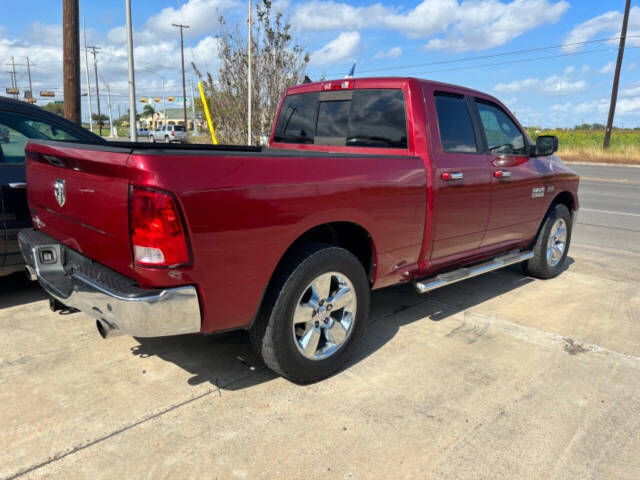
[175, 116]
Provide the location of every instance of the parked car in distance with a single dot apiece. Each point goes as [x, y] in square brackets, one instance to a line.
[20, 122]
[143, 132]
[169, 134]
[367, 183]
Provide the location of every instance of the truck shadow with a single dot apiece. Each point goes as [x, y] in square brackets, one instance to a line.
[227, 361]
[16, 289]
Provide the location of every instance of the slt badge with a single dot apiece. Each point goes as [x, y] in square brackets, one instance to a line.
[60, 191]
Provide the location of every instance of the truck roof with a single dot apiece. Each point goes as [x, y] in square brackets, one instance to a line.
[380, 82]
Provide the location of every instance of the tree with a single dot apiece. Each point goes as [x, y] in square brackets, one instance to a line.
[57, 108]
[278, 62]
[102, 117]
[148, 110]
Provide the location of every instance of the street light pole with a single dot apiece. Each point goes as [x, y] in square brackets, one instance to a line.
[86, 71]
[133, 132]
[184, 88]
[110, 115]
[164, 98]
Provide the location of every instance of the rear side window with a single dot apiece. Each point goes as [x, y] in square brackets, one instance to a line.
[454, 123]
[503, 136]
[358, 118]
[297, 119]
[179, 128]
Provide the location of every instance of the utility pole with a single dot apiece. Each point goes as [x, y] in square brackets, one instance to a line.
[14, 80]
[110, 115]
[184, 87]
[193, 111]
[95, 66]
[71, 60]
[29, 74]
[249, 87]
[86, 71]
[133, 129]
[616, 77]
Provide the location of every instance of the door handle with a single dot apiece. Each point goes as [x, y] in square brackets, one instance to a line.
[17, 185]
[448, 176]
[502, 174]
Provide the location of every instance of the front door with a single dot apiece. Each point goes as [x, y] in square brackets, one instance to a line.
[462, 181]
[518, 188]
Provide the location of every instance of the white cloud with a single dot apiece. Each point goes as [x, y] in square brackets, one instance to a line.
[475, 25]
[337, 50]
[607, 68]
[633, 91]
[393, 52]
[560, 107]
[553, 85]
[569, 70]
[3, 31]
[608, 25]
[585, 68]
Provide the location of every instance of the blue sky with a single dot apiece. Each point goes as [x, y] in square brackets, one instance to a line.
[562, 86]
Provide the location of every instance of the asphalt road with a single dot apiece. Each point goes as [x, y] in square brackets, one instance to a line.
[497, 377]
[609, 207]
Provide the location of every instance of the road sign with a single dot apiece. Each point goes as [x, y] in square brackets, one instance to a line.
[47, 93]
[13, 91]
[59, 102]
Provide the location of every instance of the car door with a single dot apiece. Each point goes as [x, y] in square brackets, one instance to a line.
[517, 182]
[462, 179]
[15, 211]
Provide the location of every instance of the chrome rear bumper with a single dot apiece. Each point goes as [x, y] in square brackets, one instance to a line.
[119, 306]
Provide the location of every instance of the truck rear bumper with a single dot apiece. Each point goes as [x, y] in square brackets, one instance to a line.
[119, 306]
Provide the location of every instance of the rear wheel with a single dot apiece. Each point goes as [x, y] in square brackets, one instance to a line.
[313, 314]
[152, 139]
[167, 140]
[552, 245]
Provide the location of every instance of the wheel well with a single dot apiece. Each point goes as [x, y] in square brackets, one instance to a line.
[565, 198]
[347, 235]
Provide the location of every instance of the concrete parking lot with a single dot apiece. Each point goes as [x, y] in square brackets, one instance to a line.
[500, 376]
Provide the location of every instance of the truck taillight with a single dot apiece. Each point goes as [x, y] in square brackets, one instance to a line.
[158, 235]
[338, 85]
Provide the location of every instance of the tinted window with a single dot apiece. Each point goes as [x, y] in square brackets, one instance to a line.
[16, 130]
[503, 136]
[454, 123]
[377, 119]
[179, 128]
[333, 118]
[297, 119]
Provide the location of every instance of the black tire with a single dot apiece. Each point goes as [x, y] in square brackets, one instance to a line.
[541, 266]
[272, 332]
[152, 139]
[167, 140]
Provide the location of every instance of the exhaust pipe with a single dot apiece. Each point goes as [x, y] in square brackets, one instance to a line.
[107, 330]
[31, 273]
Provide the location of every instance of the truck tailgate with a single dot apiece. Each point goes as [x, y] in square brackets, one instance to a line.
[89, 211]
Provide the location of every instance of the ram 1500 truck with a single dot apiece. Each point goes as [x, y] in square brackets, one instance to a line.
[367, 183]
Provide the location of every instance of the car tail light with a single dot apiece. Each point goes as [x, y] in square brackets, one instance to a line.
[173, 134]
[158, 235]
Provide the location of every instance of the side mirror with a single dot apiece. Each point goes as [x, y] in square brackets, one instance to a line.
[546, 145]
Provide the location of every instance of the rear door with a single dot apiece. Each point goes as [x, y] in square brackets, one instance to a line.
[462, 179]
[518, 186]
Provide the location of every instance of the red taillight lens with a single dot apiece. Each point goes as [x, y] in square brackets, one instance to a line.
[173, 134]
[157, 233]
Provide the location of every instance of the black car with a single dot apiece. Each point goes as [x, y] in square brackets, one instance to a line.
[19, 122]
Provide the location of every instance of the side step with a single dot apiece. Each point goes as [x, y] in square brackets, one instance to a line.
[428, 284]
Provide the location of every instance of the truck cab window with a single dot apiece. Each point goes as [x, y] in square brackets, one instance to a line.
[503, 135]
[377, 119]
[297, 119]
[454, 123]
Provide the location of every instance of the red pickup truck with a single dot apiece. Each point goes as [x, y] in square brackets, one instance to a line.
[367, 183]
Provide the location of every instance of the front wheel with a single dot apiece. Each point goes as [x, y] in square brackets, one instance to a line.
[552, 245]
[152, 139]
[313, 313]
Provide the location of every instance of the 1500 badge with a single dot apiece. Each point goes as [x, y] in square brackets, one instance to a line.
[537, 192]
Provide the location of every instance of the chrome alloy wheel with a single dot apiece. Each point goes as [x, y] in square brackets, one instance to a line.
[324, 316]
[557, 242]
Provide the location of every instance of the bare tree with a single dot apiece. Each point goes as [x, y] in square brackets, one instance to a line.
[278, 62]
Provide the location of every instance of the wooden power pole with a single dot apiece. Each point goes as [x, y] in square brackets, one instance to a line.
[71, 59]
[184, 87]
[616, 77]
[95, 66]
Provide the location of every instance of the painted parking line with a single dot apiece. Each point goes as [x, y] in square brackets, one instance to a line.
[608, 211]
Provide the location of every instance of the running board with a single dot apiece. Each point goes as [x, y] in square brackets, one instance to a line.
[460, 274]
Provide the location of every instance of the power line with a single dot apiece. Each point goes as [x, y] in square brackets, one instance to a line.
[494, 55]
